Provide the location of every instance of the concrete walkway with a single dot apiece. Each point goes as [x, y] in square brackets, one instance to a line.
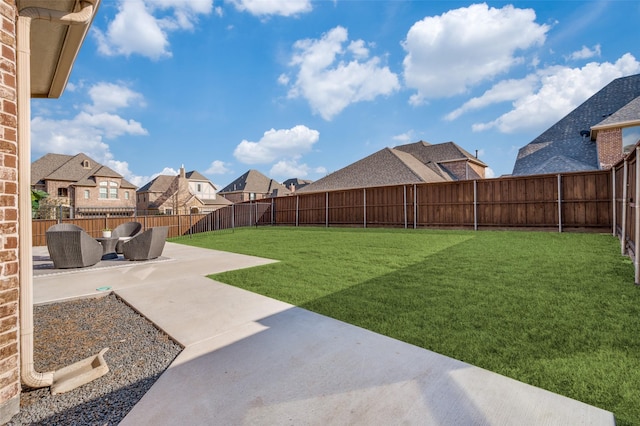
[252, 360]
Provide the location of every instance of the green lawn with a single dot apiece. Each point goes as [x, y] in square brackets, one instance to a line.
[558, 311]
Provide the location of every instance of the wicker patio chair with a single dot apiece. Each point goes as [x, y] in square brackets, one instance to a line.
[147, 245]
[125, 232]
[70, 247]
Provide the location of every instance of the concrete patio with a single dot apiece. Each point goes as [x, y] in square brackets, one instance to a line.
[249, 359]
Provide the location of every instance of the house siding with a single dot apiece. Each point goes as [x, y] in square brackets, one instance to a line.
[609, 144]
[9, 269]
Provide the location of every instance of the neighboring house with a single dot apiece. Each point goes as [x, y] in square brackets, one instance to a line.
[85, 186]
[253, 185]
[38, 52]
[418, 162]
[182, 194]
[589, 137]
[294, 184]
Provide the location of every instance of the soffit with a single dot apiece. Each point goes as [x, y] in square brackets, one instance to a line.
[54, 47]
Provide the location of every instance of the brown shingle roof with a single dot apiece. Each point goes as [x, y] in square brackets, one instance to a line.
[160, 184]
[256, 182]
[385, 167]
[438, 153]
[70, 168]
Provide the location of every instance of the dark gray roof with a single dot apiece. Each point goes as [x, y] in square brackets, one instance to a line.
[385, 167]
[562, 145]
[629, 112]
[256, 182]
[70, 168]
[299, 183]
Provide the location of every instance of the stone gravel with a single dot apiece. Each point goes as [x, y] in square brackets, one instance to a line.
[67, 332]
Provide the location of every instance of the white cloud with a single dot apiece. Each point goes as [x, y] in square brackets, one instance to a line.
[448, 54]
[108, 97]
[142, 26]
[218, 167]
[283, 79]
[330, 79]
[559, 91]
[489, 173]
[88, 130]
[287, 169]
[506, 90]
[586, 53]
[273, 7]
[274, 144]
[405, 137]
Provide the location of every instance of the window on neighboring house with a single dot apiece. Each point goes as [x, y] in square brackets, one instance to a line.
[126, 195]
[86, 164]
[168, 211]
[252, 195]
[199, 187]
[103, 190]
[113, 190]
[86, 194]
[63, 192]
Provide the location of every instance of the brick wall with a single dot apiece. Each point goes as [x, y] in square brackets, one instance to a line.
[9, 281]
[609, 144]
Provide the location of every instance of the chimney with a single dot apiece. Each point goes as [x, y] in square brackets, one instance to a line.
[292, 187]
[476, 153]
[182, 172]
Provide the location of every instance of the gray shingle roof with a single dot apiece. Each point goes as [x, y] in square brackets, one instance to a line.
[256, 182]
[561, 147]
[629, 112]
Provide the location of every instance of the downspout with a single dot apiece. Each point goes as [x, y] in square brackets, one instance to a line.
[30, 377]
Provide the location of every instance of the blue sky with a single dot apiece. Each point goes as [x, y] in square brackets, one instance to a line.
[298, 88]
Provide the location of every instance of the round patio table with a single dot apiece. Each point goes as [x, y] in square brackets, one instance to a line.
[108, 247]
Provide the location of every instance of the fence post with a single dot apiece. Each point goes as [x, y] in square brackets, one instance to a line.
[625, 196]
[233, 216]
[406, 219]
[364, 199]
[475, 205]
[613, 205]
[637, 219]
[559, 203]
[415, 206]
[297, 210]
[190, 223]
[272, 205]
[326, 208]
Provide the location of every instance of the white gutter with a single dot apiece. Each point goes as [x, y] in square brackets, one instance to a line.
[30, 377]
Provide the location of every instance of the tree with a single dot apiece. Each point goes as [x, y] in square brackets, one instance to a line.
[36, 196]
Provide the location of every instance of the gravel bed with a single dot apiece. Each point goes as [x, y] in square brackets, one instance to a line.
[67, 332]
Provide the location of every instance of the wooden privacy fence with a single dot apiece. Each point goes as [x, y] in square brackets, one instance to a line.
[179, 225]
[571, 201]
[626, 205]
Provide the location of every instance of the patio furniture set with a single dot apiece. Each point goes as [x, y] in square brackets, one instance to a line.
[70, 246]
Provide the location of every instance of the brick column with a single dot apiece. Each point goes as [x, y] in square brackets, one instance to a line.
[9, 280]
[609, 143]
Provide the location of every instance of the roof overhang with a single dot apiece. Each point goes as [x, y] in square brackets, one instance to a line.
[619, 125]
[54, 46]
